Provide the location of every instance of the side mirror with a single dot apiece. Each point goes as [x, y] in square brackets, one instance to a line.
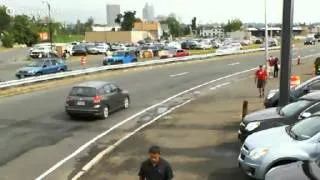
[44, 66]
[305, 115]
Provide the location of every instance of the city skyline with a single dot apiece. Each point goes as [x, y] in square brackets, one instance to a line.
[206, 11]
[112, 12]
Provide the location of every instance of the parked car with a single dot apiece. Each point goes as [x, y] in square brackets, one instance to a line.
[216, 44]
[118, 47]
[226, 49]
[273, 117]
[181, 53]
[310, 41]
[42, 66]
[79, 50]
[92, 49]
[120, 57]
[189, 45]
[313, 84]
[167, 52]
[96, 98]
[203, 45]
[270, 148]
[40, 51]
[301, 170]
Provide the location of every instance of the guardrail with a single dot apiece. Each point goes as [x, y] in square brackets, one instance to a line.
[19, 82]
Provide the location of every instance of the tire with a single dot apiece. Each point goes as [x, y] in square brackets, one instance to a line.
[38, 74]
[105, 112]
[126, 103]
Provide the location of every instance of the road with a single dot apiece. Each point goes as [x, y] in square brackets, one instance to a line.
[34, 127]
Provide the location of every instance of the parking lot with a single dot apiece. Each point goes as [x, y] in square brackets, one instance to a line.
[199, 139]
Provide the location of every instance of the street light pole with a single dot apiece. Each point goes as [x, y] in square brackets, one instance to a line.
[50, 22]
[286, 47]
[266, 36]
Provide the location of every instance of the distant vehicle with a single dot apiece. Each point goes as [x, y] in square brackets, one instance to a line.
[96, 98]
[79, 50]
[41, 67]
[274, 147]
[182, 53]
[167, 52]
[102, 48]
[174, 44]
[245, 42]
[272, 117]
[189, 45]
[203, 45]
[310, 41]
[118, 47]
[40, 51]
[155, 49]
[301, 170]
[226, 49]
[216, 44]
[120, 57]
[313, 84]
[92, 49]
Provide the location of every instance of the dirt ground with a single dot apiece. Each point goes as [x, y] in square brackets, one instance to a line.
[199, 139]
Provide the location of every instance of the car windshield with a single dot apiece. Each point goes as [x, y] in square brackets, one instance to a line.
[77, 47]
[83, 91]
[35, 64]
[294, 107]
[119, 53]
[304, 84]
[305, 129]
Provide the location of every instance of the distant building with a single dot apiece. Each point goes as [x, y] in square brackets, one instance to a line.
[116, 37]
[112, 11]
[148, 12]
[214, 32]
[154, 28]
[106, 28]
[276, 31]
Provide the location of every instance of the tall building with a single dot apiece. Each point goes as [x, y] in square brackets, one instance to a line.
[112, 11]
[148, 12]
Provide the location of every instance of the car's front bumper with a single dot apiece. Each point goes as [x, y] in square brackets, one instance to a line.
[252, 168]
[23, 75]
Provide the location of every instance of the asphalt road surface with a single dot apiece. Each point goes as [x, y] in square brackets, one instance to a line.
[36, 133]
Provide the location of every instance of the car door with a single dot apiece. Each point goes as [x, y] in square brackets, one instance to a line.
[47, 67]
[179, 53]
[117, 95]
[110, 98]
[55, 66]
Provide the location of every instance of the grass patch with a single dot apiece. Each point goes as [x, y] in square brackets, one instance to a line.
[68, 38]
[201, 51]
[251, 46]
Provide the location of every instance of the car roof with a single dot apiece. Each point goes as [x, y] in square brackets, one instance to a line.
[314, 96]
[93, 84]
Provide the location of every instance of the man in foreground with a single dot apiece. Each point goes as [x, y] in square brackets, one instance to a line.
[155, 168]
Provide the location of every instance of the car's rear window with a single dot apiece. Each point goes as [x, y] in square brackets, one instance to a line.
[83, 91]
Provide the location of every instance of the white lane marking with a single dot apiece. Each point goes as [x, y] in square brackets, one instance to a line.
[220, 85]
[99, 136]
[233, 64]
[98, 157]
[180, 74]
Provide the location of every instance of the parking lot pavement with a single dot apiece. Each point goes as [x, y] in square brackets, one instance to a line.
[199, 139]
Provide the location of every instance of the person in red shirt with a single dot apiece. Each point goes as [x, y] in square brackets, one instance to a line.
[261, 79]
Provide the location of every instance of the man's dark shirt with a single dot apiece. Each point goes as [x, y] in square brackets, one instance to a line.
[161, 171]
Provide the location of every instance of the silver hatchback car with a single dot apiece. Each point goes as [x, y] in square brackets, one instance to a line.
[266, 149]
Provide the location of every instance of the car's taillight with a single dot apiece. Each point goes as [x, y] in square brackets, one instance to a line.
[97, 99]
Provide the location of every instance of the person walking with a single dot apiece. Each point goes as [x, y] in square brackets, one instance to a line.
[276, 67]
[261, 79]
[155, 168]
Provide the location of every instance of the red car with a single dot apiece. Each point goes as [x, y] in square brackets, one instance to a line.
[181, 53]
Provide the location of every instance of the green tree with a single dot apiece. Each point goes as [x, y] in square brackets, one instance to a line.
[7, 40]
[5, 19]
[88, 25]
[233, 25]
[174, 26]
[194, 24]
[23, 30]
[127, 20]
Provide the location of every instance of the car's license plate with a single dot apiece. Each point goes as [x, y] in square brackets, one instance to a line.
[81, 103]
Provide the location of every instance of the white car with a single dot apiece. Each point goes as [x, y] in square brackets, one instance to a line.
[38, 52]
[226, 49]
[102, 49]
[204, 46]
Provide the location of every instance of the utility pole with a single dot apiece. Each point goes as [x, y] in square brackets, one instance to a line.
[266, 39]
[50, 22]
[286, 61]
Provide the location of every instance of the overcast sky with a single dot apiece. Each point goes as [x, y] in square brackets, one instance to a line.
[206, 11]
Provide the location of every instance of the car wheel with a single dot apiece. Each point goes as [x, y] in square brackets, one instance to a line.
[126, 103]
[105, 112]
[38, 74]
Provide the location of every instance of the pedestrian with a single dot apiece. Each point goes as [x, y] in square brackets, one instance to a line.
[155, 168]
[276, 67]
[261, 79]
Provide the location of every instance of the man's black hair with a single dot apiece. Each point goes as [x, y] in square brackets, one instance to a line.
[154, 150]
